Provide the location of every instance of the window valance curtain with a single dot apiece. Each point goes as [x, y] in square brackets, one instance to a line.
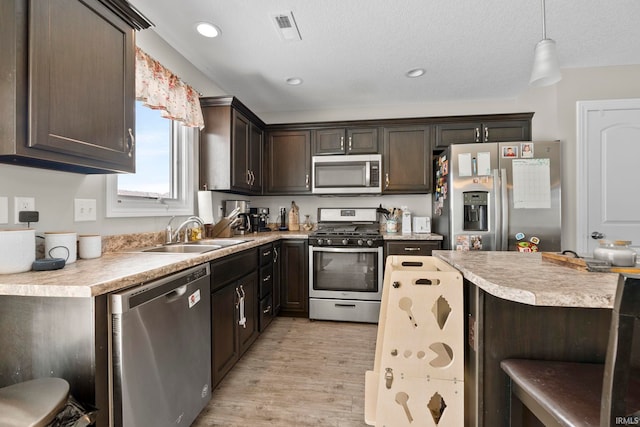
[160, 89]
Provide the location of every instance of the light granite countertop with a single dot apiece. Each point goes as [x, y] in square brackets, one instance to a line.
[122, 265]
[121, 268]
[412, 236]
[526, 278]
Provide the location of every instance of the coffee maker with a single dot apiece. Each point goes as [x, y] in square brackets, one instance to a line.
[243, 223]
[259, 219]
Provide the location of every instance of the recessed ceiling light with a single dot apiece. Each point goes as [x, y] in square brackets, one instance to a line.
[208, 30]
[416, 72]
[294, 81]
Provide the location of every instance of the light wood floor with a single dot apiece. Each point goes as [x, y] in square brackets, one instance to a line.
[298, 373]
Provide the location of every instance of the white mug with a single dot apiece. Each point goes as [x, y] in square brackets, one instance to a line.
[61, 245]
[90, 246]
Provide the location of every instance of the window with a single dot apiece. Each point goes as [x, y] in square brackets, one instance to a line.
[163, 182]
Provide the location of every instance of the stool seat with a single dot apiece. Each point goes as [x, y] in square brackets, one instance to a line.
[566, 394]
[570, 391]
[32, 403]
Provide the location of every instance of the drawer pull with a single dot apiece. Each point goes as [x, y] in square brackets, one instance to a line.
[266, 310]
[267, 253]
[345, 305]
[412, 249]
[266, 279]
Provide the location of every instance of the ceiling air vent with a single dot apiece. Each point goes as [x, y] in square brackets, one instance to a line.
[286, 26]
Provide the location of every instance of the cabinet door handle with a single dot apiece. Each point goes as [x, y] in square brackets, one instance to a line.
[267, 310]
[275, 255]
[386, 180]
[253, 178]
[477, 134]
[132, 143]
[342, 143]
[306, 181]
[412, 249]
[248, 180]
[350, 143]
[486, 134]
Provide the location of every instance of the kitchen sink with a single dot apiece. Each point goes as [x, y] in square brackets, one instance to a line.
[195, 247]
[217, 242]
[183, 248]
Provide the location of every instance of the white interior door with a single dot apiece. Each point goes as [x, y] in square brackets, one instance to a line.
[608, 172]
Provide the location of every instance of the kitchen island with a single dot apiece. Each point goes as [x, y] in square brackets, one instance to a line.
[519, 306]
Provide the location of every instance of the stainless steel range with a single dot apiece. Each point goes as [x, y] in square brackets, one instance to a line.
[345, 265]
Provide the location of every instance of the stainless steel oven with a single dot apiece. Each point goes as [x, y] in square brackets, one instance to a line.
[346, 266]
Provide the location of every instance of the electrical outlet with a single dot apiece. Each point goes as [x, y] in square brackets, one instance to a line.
[84, 210]
[22, 204]
[4, 210]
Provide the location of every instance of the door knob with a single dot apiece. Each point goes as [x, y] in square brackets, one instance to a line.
[596, 235]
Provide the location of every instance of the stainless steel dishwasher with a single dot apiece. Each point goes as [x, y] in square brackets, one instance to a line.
[161, 350]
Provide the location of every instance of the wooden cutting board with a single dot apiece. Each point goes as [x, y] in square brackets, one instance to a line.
[586, 264]
[565, 260]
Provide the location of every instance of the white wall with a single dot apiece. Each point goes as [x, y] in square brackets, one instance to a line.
[554, 119]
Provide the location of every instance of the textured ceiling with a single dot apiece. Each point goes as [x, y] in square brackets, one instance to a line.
[355, 53]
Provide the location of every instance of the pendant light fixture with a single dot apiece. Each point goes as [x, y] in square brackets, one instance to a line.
[546, 70]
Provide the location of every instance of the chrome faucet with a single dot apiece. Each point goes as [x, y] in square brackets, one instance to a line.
[175, 236]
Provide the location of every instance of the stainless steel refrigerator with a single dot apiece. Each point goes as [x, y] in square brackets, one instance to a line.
[498, 196]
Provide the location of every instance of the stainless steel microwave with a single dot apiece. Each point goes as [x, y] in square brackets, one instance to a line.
[347, 174]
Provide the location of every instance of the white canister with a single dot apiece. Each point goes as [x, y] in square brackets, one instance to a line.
[17, 250]
[61, 245]
[89, 246]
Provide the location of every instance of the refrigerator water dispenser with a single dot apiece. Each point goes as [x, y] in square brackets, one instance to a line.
[475, 211]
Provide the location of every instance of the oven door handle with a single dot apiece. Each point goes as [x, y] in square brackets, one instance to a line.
[344, 250]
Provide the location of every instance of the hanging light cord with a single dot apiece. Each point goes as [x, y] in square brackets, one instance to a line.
[544, 26]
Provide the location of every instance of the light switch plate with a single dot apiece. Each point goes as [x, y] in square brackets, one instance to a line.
[84, 210]
[4, 210]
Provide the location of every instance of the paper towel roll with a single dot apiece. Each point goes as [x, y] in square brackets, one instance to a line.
[205, 206]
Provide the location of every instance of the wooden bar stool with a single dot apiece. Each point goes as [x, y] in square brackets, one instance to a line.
[585, 394]
[32, 403]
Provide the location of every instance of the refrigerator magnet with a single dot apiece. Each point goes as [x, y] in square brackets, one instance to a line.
[510, 151]
[526, 150]
[519, 236]
[534, 240]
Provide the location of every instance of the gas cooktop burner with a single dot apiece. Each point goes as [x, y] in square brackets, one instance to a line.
[343, 227]
[346, 233]
[346, 236]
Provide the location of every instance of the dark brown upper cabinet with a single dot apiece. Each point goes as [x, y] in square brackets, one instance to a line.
[67, 98]
[288, 162]
[231, 147]
[345, 141]
[488, 131]
[406, 160]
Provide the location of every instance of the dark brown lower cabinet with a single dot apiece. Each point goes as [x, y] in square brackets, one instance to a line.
[411, 247]
[294, 279]
[277, 249]
[230, 337]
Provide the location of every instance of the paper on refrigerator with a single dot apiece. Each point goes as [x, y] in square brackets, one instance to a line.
[531, 183]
